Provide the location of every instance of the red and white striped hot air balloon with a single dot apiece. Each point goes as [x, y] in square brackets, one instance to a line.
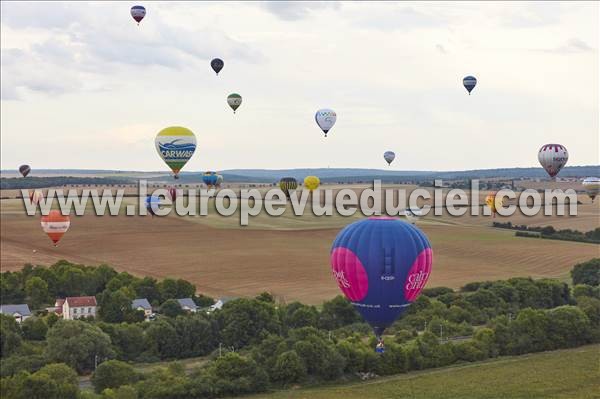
[55, 224]
[553, 157]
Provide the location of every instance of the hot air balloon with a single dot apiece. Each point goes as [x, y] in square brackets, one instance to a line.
[175, 145]
[493, 202]
[553, 157]
[25, 170]
[413, 214]
[311, 182]
[325, 118]
[591, 186]
[55, 224]
[217, 64]
[389, 156]
[288, 184]
[152, 200]
[173, 193]
[381, 264]
[210, 179]
[36, 196]
[234, 100]
[138, 13]
[469, 82]
[219, 180]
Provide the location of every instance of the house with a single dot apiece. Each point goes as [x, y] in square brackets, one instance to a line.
[219, 304]
[20, 312]
[188, 305]
[75, 307]
[143, 305]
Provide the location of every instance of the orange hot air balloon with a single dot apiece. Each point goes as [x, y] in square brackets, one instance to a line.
[55, 224]
[493, 203]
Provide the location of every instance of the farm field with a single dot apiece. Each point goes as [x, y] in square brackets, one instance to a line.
[286, 255]
[563, 374]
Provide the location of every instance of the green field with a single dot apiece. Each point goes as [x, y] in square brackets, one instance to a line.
[572, 374]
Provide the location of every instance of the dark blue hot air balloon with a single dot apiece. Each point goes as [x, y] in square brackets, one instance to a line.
[469, 82]
[381, 264]
[217, 64]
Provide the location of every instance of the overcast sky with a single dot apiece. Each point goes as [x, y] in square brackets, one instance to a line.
[84, 87]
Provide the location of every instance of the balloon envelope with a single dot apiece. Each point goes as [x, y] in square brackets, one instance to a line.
[172, 193]
[312, 182]
[553, 157]
[325, 118]
[591, 186]
[210, 178]
[25, 170]
[55, 225]
[36, 196]
[219, 180]
[389, 156]
[175, 145]
[287, 184]
[469, 82]
[138, 13]
[381, 264]
[152, 201]
[234, 100]
[217, 64]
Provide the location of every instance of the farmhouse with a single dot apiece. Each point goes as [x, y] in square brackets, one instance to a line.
[20, 312]
[75, 307]
[143, 305]
[188, 305]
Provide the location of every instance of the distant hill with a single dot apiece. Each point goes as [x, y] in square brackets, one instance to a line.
[58, 177]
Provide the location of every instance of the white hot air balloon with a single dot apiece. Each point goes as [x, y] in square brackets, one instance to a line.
[325, 118]
[553, 157]
[389, 156]
[591, 186]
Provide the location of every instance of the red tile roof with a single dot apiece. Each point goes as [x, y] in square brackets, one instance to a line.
[80, 301]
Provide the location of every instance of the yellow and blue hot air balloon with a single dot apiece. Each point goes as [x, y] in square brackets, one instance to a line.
[175, 145]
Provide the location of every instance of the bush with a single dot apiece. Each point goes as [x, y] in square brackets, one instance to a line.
[34, 328]
[587, 273]
[289, 368]
[113, 374]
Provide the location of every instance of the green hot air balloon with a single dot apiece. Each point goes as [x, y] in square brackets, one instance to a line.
[234, 100]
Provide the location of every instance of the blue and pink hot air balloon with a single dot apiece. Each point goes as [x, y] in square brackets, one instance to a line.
[381, 264]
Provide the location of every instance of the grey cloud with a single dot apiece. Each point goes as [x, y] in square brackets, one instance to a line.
[573, 45]
[440, 48]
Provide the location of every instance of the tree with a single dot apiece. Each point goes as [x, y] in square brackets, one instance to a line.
[127, 339]
[246, 321]
[587, 272]
[289, 368]
[161, 339]
[113, 374]
[64, 377]
[114, 306]
[146, 288]
[568, 326]
[529, 332]
[195, 336]
[171, 308]
[10, 335]
[337, 313]
[238, 375]
[266, 297]
[34, 328]
[37, 291]
[78, 344]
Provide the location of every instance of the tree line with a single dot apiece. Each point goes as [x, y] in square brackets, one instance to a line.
[549, 232]
[255, 344]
